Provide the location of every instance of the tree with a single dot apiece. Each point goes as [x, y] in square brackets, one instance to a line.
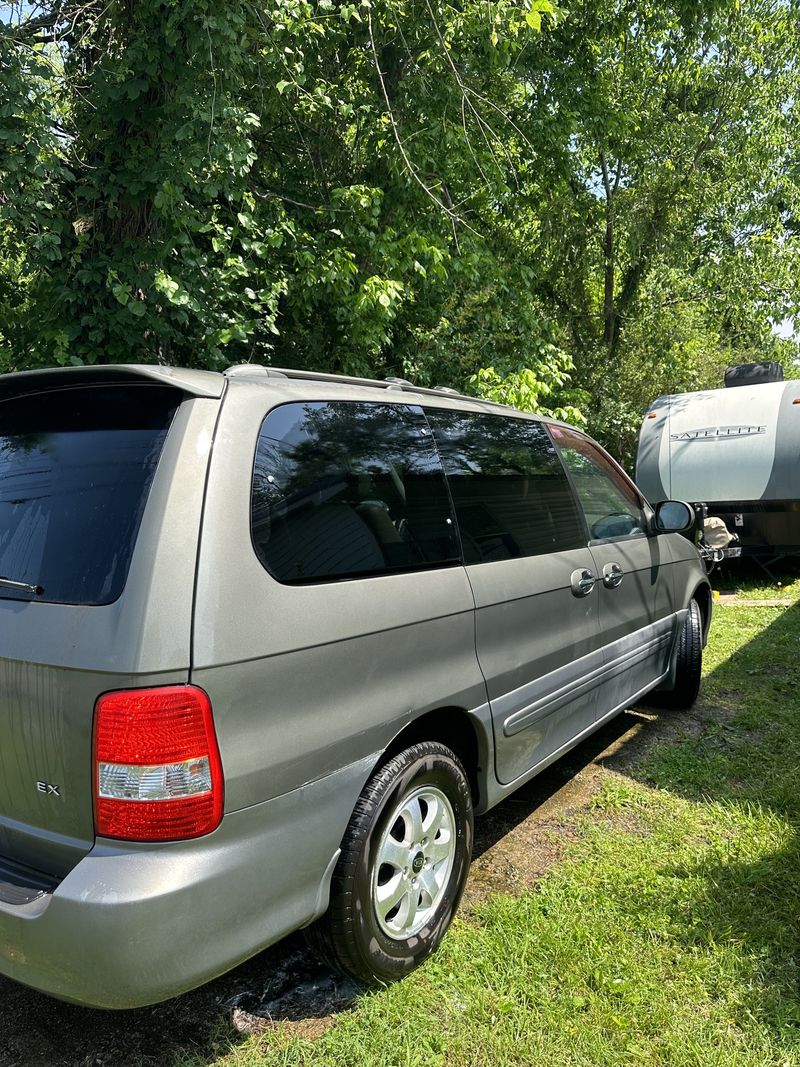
[567, 210]
[303, 183]
[668, 242]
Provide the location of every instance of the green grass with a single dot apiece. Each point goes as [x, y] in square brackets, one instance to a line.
[669, 936]
[749, 582]
[760, 588]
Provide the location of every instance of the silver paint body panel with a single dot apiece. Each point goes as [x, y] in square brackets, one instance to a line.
[528, 626]
[56, 659]
[133, 924]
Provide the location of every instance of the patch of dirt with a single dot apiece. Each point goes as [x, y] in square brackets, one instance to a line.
[524, 837]
[300, 995]
[37, 1031]
[731, 698]
[517, 842]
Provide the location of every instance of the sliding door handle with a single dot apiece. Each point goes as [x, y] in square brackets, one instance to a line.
[612, 575]
[582, 582]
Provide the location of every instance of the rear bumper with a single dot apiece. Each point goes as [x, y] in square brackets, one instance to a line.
[132, 925]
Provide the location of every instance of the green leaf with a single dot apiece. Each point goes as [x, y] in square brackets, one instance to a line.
[122, 292]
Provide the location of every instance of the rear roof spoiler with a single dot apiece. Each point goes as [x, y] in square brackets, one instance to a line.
[194, 382]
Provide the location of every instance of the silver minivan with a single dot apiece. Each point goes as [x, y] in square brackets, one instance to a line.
[269, 638]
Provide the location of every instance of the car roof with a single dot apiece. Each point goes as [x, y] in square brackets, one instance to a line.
[203, 383]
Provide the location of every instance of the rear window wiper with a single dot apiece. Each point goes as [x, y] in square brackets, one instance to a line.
[24, 587]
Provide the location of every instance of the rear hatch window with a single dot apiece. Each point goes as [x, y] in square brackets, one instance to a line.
[76, 466]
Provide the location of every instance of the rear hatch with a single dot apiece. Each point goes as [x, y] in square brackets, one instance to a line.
[78, 460]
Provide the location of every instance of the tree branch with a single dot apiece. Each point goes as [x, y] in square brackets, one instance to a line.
[58, 14]
[453, 216]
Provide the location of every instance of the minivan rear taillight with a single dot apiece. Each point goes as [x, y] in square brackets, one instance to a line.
[157, 771]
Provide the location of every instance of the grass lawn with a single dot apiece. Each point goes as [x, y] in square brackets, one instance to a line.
[745, 579]
[669, 935]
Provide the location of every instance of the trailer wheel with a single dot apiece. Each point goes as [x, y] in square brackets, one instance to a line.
[689, 664]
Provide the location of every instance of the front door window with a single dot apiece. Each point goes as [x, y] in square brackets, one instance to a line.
[610, 502]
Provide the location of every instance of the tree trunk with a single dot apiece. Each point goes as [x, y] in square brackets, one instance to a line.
[609, 309]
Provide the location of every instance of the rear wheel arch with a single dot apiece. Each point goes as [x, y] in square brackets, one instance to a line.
[402, 867]
[457, 730]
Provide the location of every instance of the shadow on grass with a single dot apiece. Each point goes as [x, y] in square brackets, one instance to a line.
[540, 791]
[741, 749]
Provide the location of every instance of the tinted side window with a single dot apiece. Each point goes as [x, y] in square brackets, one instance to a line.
[345, 489]
[510, 492]
[611, 505]
[75, 470]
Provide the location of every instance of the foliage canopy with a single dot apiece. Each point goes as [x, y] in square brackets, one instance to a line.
[565, 208]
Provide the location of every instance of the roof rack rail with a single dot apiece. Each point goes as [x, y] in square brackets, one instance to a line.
[242, 370]
[322, 376]
[253, 370]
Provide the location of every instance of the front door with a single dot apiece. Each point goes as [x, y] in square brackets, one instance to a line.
[632, 567]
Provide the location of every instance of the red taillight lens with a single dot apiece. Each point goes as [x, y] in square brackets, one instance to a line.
[158, 775]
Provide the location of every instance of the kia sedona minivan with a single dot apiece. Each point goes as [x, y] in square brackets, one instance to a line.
[268, 639]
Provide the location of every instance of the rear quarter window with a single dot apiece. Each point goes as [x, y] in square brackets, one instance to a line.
[76, 467]
[346, 490]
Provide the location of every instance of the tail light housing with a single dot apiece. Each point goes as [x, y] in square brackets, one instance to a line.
[157, 769]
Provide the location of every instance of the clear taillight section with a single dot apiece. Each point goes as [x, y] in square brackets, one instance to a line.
[158, 775]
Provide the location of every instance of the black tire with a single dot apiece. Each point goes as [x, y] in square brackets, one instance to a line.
[350, 935]
[689, 664]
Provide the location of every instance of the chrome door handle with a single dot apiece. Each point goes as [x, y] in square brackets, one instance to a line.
[612, 575]
[582, 582]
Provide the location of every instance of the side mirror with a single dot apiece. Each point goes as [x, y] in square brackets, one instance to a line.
[674, 516]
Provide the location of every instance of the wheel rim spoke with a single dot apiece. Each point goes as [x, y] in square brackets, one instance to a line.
[429, 886]
[440, 849]
[433, 821]
[409, 909]
[415, 815]
[390, 894]
[394, 853]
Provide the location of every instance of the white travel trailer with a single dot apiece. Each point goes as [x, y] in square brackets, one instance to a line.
[737, 450]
